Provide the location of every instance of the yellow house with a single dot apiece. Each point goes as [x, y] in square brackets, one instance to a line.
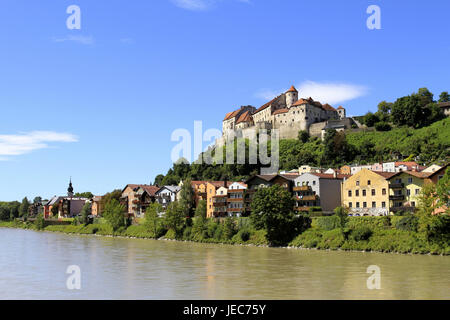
[366, 193]
[404, 190]
[211, 191]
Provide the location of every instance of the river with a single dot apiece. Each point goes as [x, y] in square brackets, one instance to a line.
[33, 266]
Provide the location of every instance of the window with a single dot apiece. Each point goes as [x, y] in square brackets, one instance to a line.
[383, 204]
[364, 204]
[398, 180]
[357, 204]
[383, 192]
[357, 183]
[417, 191]
[314, 183]
[368, 182]
[408, 192]
[357, 193]
[374, 204]
[364, 193]
[373, 192]
[410, 180]
[349, 204]
[349, 193]
[413, 203]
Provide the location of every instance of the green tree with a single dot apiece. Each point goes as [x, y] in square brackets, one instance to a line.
[174, 218]
[229, 228]
[444, 97]
[272, 210]
[342, 214]
[303, 136]
[37, 200]
[24, 207]
[114, 214]
[4, 212]
[152, 218]
[370, 119]
[336, 149]
[86, 211]
[55, 210]
[199, 228]
[113, 195]
[187, 198]
[40, 222]
[87, 195]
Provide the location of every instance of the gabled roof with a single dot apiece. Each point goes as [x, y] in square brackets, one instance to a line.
[421, 175]
[340, 108]
[231, 115]
[292, 89]
[173, 189]
[151, 190]
[443, 169]
[279, 111]
[264, 106]
[328, 107]
[245, 117]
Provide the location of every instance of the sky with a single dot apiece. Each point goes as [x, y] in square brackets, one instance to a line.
[100, 103]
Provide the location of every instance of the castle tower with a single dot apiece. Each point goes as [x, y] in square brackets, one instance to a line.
[341, 112]
[291, 96]
[70, 189]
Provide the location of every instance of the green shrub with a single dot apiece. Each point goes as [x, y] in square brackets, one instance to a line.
[332, 239]
[361, 233]
[407, 223]
[326, 223]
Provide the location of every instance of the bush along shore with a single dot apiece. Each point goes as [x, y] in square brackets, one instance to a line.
[395, 234]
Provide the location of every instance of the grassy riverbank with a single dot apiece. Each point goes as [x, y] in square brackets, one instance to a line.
[378, 234]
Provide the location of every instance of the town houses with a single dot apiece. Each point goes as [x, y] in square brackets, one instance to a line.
[365, 190]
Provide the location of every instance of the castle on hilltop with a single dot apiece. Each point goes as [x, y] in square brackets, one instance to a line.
[289, 115]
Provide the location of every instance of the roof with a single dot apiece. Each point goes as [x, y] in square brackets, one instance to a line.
[386, 175]
[279, 111]
[151, 190]
[264, 106]
[328, 107]
[173, 189]
[443, 169]
[97, 198]
[406, 163]
[340, 108]
[421, 175]
[308, 101]
[292, 89]
[219, 184]
[231, 115]
[331, 175]
[444, 104]
[245, 117]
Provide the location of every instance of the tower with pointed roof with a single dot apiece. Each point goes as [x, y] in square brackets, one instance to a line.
[291, 96]
[341, 112]
[70, 189]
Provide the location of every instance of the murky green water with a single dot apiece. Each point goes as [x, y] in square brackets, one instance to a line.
[33, 266]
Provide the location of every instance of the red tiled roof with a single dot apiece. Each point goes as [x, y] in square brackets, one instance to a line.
[328, 107]
[340, 108]
[292, 89]
[151, 190]
[245, 117]
[266, 105]
[386, 175]
[279, 111]
[231, 115]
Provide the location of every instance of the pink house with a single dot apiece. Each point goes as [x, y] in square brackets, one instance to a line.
[378, 167]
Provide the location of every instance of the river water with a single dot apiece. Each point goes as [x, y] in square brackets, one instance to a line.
[33, 266]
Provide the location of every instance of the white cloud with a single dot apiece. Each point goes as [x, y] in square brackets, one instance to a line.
[18, 144]
[325, 92]
[200, 5]
[87, 40]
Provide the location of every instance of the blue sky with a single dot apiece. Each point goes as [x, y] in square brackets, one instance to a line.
[100, 104]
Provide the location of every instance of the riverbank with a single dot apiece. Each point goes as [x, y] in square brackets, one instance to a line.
[374, 237]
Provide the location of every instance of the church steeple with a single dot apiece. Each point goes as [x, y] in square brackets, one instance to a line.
[70, 188]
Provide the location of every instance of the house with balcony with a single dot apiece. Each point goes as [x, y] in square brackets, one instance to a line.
[237, 205]
[404, 190]
[166, 195]
[318, 190]
[212, 188]
[137, 197]
[366, 193]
